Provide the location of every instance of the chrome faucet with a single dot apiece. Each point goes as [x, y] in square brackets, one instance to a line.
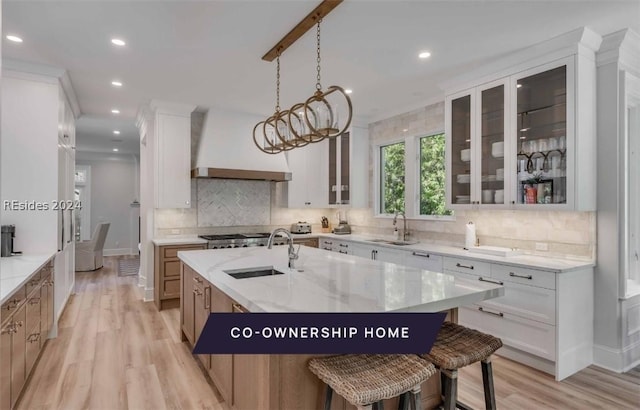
[293, 254]
[405, 233]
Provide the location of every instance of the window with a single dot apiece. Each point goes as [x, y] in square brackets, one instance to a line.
[432, 176]
[392, 178]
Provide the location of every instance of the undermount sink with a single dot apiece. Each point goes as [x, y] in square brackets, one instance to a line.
[253, 272]
[390, 242]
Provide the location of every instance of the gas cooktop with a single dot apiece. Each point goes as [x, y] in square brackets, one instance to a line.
[240, 240]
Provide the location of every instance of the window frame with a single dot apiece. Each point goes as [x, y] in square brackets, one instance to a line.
[412, 178]
[378, 177]
[418, 215]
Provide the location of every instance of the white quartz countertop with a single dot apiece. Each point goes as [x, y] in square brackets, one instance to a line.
[190, 240]
[525, 261]
[15, 271]
[333, 282]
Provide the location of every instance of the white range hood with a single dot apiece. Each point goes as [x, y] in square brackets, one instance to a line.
[226, 150]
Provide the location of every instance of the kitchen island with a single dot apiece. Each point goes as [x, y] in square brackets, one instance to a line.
[322, 282]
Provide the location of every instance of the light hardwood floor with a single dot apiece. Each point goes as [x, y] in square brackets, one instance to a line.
[116, 352]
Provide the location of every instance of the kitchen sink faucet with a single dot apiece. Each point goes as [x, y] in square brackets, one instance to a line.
[293, 254]
[405, 232]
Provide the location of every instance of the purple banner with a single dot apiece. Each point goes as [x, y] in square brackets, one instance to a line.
[318, 333]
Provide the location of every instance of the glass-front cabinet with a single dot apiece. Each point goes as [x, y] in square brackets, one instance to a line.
[541, 129]
[524, 141]
[476, 124]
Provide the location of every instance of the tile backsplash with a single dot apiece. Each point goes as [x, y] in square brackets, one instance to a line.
[224, 202]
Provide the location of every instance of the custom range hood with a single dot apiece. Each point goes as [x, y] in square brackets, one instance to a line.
[225, 149]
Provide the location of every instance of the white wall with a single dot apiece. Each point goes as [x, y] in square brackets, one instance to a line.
[113, 189]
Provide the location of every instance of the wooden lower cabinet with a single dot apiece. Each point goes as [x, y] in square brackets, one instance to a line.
[311, 242]
[269, 382]
[167, 274]
[5, 366]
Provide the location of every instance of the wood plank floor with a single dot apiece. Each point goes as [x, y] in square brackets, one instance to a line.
[115, 351]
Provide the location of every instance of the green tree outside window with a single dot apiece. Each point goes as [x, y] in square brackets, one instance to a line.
[432, 176]
[392, 179]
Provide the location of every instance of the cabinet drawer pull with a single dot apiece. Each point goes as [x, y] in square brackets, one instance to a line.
[197, 292]
[19, 323]
[197, 280]
[12, 304]
[344, 252]
[424, 255]
[344, 245]
[237, 308]
[515, 275]
[464, 266]
[327, 249]
[328, 243]
[207, 298]
[500, 314]
[497, 282]
[33, 282]
[33, 337]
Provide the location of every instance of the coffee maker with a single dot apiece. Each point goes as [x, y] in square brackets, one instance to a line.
[8, 234]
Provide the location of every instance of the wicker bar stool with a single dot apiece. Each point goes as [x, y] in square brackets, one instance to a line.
[365, 380]
[455, 347]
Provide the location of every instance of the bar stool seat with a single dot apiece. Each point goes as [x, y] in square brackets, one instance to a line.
[456, 347]
[366, 379]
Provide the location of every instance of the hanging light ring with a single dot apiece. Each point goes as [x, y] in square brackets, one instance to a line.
[298, 115]
[282, 119]
[270, 149]
[272, 122]
[330, 128]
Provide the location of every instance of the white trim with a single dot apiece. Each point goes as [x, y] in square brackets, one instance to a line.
[148, 295]
[119, 252]
[171, 108]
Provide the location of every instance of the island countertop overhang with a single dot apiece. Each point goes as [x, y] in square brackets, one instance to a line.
[333, 283]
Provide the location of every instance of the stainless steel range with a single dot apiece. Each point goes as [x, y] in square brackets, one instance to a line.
[241, 240]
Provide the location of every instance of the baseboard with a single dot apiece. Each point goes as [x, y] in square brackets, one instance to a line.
[631, 356]
[527, 359]
[608, 358]
[148, 294]
[119, 252]
[573, 360]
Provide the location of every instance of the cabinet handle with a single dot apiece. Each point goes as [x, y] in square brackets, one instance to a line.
[33, 282]
[207, 298]
[344, 252]
[515, 275]
[34, 301]
[464, 266]
[328, 243]
[307, 203]
[33, 337]
[343, 245]
[497, 282]
[500, 314]
[19, 323]
[197, 279]
[197, 292]
[12, 304]
[424, 255]
[513, 202]
[327, 249]
[9, 329]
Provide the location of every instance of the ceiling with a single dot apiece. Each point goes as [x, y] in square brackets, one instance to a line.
[208, 53]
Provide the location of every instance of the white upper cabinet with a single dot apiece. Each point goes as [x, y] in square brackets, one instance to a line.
[172, 154]
[523, 139]
[308, 185]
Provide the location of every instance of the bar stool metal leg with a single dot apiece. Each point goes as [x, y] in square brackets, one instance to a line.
[402, 402]
[487, 381]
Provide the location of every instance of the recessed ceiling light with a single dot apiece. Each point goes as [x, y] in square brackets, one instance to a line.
[13, 38]
[518, 85]
[118, 42]
[424, 54]
[525, 129]
[115, 111]
[116, 83]
[348, 91]
[115, 150]
[405, 130]
[116, 132]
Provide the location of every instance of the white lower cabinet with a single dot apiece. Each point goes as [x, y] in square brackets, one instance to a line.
[424, 260]
[545, 319]
[334, 245]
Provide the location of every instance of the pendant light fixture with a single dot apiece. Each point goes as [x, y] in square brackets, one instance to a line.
[326, 114]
